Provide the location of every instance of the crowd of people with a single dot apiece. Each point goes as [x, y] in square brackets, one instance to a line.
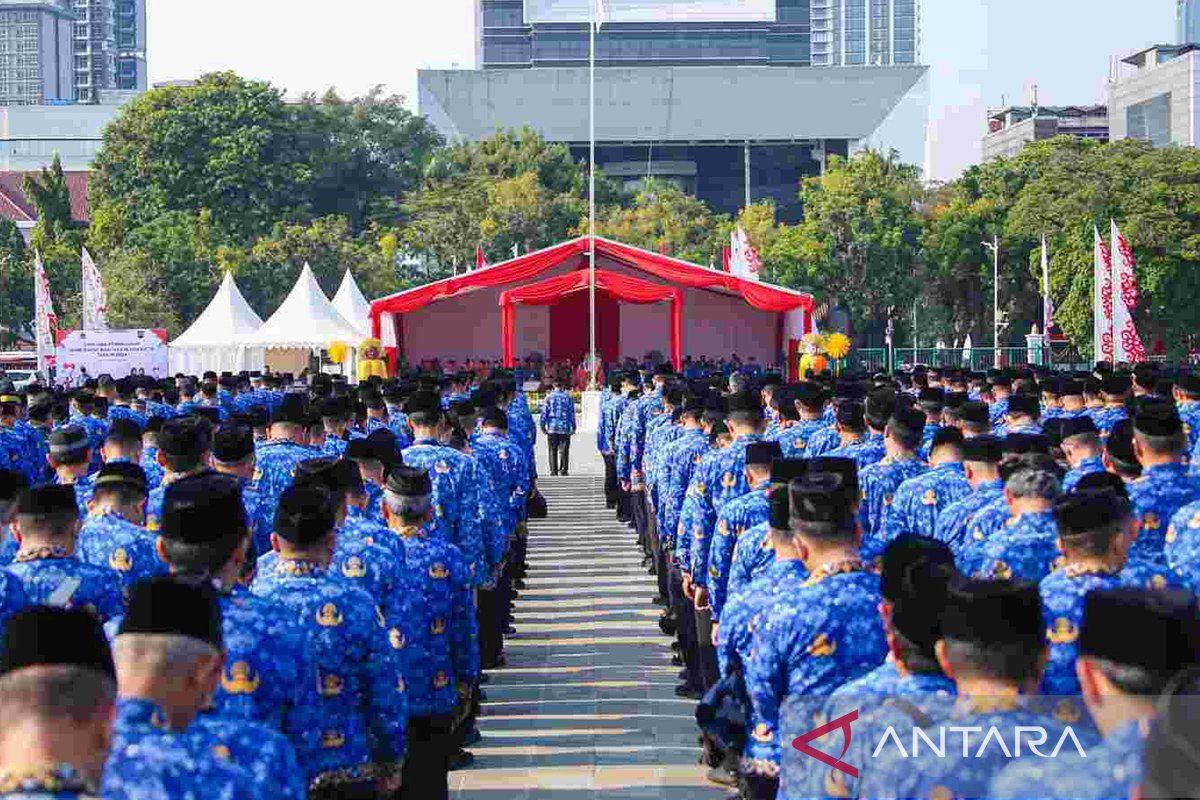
[245, 586]
[924, 552]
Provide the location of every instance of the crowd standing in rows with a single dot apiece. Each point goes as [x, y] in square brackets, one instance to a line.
[300, 583]
[1015, 549]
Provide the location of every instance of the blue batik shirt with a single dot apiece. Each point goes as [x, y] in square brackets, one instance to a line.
[738, 516]
[823, 441]
[1106, 418]
[110, 541]
[443, 650]
[879, 483]
[719, 479]
[1110, 771]
[51, 576]
[363, 706]
[1086, 467]
[455, 499]
[744, 610]
[1024, 548]
[558, 413]
[919, 501]
[808, 643]
[1182, 546]
[795, 440]
[870, 451]
[12, 597]
[1157, 495]
[275, 471]
[752, 556]
[149, 761]
[264, 753]
[680, 459]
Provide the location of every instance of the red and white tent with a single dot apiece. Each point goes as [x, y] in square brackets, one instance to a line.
[645, 301]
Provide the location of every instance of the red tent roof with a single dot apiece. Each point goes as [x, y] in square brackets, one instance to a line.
[17, 207]
[762, 296]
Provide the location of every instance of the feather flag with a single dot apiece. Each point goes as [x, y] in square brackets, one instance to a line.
[481, 261]
[95, 300]
[1102, 308]
[599, 13]
[45, 320]
[1127, 345]
[744, 260]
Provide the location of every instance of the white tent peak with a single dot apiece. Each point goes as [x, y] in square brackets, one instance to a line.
[227, 318]
[351, 304]
[305, 319]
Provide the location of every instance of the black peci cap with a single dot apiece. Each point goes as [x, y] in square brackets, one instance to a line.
[993, 612]
[173, 607]
[1155, 629]
[42, 636]
[408, 481]
[203, 508]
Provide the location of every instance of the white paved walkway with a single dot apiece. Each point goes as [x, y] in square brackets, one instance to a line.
[585, 707]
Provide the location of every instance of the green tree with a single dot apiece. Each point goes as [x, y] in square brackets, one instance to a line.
[16, 284]
[664, 217]
[858, 241]
[51, 198]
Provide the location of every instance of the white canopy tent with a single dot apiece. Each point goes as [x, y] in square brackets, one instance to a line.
[305, 321]
[351, 304]
[215, 340]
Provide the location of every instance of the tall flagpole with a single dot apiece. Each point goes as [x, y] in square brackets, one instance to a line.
[592, 200]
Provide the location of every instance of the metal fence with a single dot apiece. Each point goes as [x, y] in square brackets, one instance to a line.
[977, 359]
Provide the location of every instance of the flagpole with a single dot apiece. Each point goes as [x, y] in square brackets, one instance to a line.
[592, 358]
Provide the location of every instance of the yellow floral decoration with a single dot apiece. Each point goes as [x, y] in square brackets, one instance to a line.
[338, 351]
[837, 345]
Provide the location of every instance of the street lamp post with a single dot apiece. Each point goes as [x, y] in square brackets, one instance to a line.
[994, 246]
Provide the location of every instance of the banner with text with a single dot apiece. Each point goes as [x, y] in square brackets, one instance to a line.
[84, 354]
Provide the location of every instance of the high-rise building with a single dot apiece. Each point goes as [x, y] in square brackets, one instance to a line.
[131, 45]
[733, 100]
[95, 49]
[35, 52]
[1155, 103]
[1187, 21]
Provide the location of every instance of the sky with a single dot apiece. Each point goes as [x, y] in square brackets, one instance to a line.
[981, 53]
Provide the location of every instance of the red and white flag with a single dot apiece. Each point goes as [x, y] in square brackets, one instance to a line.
[95, 299]
[1127, 345]
[600, 13]
[481, 261]
[45, 321]
[1047, 303]
[1102, 306]
[744, 261]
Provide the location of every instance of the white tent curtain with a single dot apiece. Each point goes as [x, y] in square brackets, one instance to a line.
[215, 341]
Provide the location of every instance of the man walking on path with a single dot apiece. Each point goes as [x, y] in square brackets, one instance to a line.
[558, 423]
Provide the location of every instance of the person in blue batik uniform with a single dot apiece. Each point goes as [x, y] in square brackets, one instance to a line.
[363, 707]
[738, 516]
[184, 447]
[818, 635]
[45, 525]
[878, 410]
[233, 454]
[505, 463]
[850, 432]
[1021, 417]
[981, 457]
[287, 447]
[123, 442]
[998, 513]
[269, 675]
[625, 451]
[112, 536]
[17, 450]
[1116, 391]
[932, 402]
[754, 553]
[455, 488]
[992, 644]
[443, 655]
[916, 572]
[1081, 445]
[810, 399]
[557, 421]
[918, 501]
[81, 414]
[57, 695]
[70, 457]
[680, 459]
[1026, 546]
[168, 653]
[1165, 485]
[1095, 530]
[12, 484]
[880, 481]
[264, 753]
[374, 455]
[1187, 400]
[1132, 646]
[1001, 389]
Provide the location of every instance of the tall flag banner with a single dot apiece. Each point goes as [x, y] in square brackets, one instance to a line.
[889, 332]
[743, 261]
[95, 300]
[1127, 345]
[481, 261]
[1047, 303]
[45, 321]
[1102, 305]
[600, 13]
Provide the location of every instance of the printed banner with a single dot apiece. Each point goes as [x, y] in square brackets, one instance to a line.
[1102, 310]
[89, 354]
[1127, 345]
[95, 299]
[45, 320]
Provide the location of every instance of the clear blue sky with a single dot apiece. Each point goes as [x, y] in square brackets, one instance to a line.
[979, 51]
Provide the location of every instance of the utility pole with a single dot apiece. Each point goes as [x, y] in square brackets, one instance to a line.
[994, 246]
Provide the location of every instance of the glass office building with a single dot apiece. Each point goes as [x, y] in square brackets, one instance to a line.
[1187, 22]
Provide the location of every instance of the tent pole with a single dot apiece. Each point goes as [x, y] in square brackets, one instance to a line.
[591, 357]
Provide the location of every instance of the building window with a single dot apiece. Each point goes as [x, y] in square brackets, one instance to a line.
[1150, 121]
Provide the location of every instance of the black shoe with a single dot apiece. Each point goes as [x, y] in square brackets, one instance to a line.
[474, 737]
[668, 624]
[683, 690]
[676, 646]
[461, 760]
[677, 661]
[485, 678]
[658, 601]
[509, 630]
[721, 777]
